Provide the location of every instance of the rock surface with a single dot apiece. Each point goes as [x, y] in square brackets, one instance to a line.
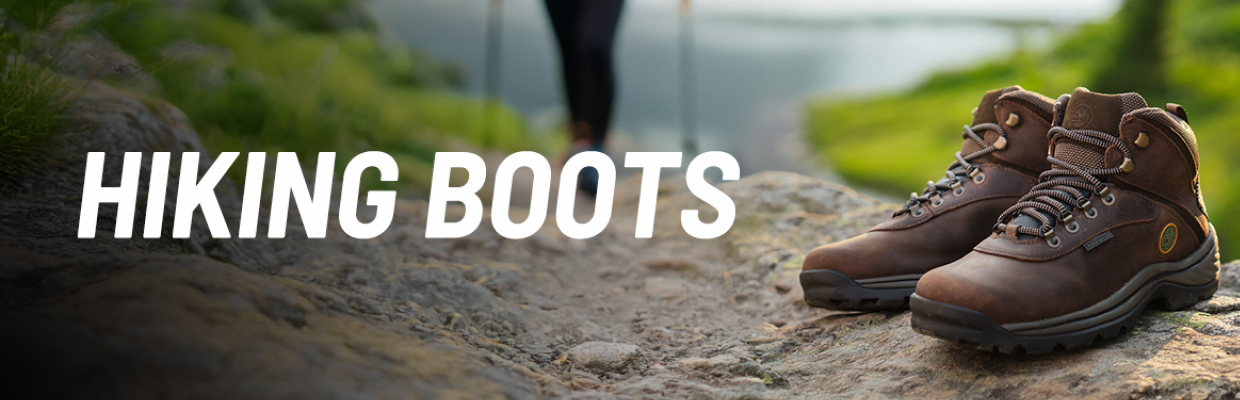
[606, 357]
[400, 316]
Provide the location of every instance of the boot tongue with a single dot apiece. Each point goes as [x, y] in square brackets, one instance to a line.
[985, 113]
[1093, 111]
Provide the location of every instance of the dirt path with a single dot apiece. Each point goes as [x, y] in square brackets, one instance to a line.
[402, 316]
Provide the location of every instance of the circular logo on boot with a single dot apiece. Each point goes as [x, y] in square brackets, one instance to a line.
[1166, 241]
[1080, 115]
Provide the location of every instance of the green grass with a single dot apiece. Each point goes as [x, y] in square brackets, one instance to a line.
[33, 98]
[33, 15]
[278, 75]
[896, 142]
[280, 81]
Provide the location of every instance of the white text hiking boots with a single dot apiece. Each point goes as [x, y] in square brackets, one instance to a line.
[1116, 225]
[1003, 152]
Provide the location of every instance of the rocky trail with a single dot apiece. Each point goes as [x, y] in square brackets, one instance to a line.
[401, 316]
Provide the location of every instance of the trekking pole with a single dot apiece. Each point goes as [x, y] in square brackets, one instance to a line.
[491, 86]
[687, 114]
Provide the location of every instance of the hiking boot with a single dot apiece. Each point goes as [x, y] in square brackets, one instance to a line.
[1003, 152]
[1117, 224]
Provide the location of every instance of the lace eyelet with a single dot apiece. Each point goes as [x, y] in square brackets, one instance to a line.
[1049, 234]
[1012, 120]
[938, 201]
[1091, 213]
[918, 212]
[957, 189]
[1073, 227]
[1107, 197]
[979, 178]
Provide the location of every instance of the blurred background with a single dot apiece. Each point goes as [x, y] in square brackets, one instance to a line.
[755, 65]
[869, 94]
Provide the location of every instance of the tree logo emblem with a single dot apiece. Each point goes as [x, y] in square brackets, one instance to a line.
[1080, 115]
[1166, 241]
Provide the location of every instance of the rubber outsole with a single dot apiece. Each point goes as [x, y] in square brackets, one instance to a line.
[1171, 291]
[971, 328]
[833, 290]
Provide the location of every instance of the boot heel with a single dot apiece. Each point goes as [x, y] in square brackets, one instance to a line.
[1178, 297]
[1195, 283]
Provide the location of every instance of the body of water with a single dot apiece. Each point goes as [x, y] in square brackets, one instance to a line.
[756, 63]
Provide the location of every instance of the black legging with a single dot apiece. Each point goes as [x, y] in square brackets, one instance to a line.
[586, 31]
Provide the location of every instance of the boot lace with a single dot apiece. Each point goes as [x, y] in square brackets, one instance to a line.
[1065, 189]
[956, 172]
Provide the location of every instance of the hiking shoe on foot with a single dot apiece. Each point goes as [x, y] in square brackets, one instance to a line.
[1003, 152]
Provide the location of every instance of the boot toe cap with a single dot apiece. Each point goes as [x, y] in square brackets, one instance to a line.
[845, 257]
[958, 285]
[995, 286]
[871, 255]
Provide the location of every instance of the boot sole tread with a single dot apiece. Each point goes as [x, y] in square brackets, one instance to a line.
[832, 290]
[972, 328]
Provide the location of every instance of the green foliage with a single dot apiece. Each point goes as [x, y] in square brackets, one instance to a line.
[270, 82]
[897, 142]
[32, 106]
[33, 98]
[310, 15]
[322, 15]
[33, 15]
[1137, 63]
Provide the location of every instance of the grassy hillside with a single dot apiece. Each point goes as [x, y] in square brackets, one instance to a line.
[896, 142]
[306, 76]
[33, 98]
[281, 75]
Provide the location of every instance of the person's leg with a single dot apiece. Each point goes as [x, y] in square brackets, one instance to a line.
[585, 32]
[565, 19]
[596, 34]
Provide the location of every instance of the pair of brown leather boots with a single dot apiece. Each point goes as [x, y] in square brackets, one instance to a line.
[1099, 214]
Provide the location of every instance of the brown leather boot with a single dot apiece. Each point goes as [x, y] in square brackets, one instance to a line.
[1003, 152]
[1116, 225]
